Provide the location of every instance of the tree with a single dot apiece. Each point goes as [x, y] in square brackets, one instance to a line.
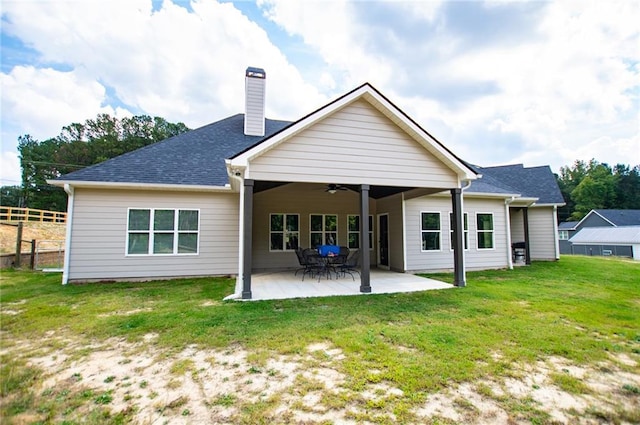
[80, 145]
[569, 179]
[627, 186]
[595, 185]
[11, 196]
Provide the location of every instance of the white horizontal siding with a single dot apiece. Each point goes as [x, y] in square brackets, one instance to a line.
[99, 235]
[302, 199]
[355, 145]
[542, 237]
[475, 259]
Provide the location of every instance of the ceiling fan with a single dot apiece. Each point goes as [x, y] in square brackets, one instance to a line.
[333, 188]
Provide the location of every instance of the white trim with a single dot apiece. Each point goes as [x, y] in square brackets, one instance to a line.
[493, 232]
[431, 231]
[337, 232]
[67, 249]
[284, 232]
[465, 232]
[371, 232]
[369, 94]
[555, 231]
[152, 232]
[403, 208]
[599, 215]
[508, 232]
[141, 186]
[240, 277]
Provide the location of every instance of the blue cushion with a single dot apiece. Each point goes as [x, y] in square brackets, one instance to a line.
[325, 250]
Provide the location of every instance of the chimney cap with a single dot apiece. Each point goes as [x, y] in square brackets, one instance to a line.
[255, 72]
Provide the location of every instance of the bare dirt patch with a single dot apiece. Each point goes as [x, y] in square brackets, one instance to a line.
[223, 386]
[31, 230]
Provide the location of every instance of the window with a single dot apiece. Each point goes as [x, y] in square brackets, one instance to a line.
[353, 231]
[162, 231]
[484, 222]
[563, 235]
[430, 227]
[284, 232]
[323, 229]
[465, 238]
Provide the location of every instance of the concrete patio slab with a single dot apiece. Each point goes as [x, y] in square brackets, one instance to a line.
[284, 285]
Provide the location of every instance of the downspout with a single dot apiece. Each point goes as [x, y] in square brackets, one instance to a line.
[67, 243]
[555, 231]
[236, 175]
[404, 233]
[508, 202]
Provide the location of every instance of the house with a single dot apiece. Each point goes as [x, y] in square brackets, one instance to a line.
[239, 195]
[618, 241]
[595, 218]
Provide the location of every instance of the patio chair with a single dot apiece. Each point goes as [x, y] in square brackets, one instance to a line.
[301, 260]
[335, 261]
[350, 265]
[314, 265]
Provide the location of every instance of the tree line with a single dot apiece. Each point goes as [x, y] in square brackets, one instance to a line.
[584, 185]
[77, 146]
[595, 185]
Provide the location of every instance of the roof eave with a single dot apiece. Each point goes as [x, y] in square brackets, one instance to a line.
[370, 94]
[141, 186]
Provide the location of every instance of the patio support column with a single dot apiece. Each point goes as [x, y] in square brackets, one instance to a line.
[365, 256]
[247, 238]
[525, 219]
[458, 234]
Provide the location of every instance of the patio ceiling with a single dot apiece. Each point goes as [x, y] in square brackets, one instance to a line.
[375, 192]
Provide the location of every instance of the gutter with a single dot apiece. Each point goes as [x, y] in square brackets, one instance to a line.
[139, 186]
[236, 179]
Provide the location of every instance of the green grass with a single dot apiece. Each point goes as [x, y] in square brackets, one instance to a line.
[579, 308]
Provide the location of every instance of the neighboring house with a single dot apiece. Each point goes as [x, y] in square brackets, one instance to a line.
[595, 218]
[239, 195]
[621, 241]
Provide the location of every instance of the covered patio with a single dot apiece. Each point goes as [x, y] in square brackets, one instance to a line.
[274, 285]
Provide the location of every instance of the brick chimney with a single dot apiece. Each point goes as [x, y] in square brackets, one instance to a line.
[254, 87]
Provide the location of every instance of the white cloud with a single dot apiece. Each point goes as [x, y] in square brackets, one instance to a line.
[10, 174]
[181, 65]
[565, 88]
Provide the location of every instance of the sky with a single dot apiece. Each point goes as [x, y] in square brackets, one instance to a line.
[498, 82]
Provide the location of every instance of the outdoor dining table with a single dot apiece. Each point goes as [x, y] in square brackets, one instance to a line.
[330, 257]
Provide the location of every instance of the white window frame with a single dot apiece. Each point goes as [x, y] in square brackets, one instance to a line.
[492, 231]
[563, 235]
[324, 231]
[284, 232]
[466, 230]
[152, 232]
[349, 231]
[439, 231]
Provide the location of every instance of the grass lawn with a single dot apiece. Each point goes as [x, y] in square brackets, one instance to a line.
[585, 311]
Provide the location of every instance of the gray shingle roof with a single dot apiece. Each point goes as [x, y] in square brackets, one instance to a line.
[530, 182]
[193, 158]
[198, 158]
[568, 225]
[621, 217]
